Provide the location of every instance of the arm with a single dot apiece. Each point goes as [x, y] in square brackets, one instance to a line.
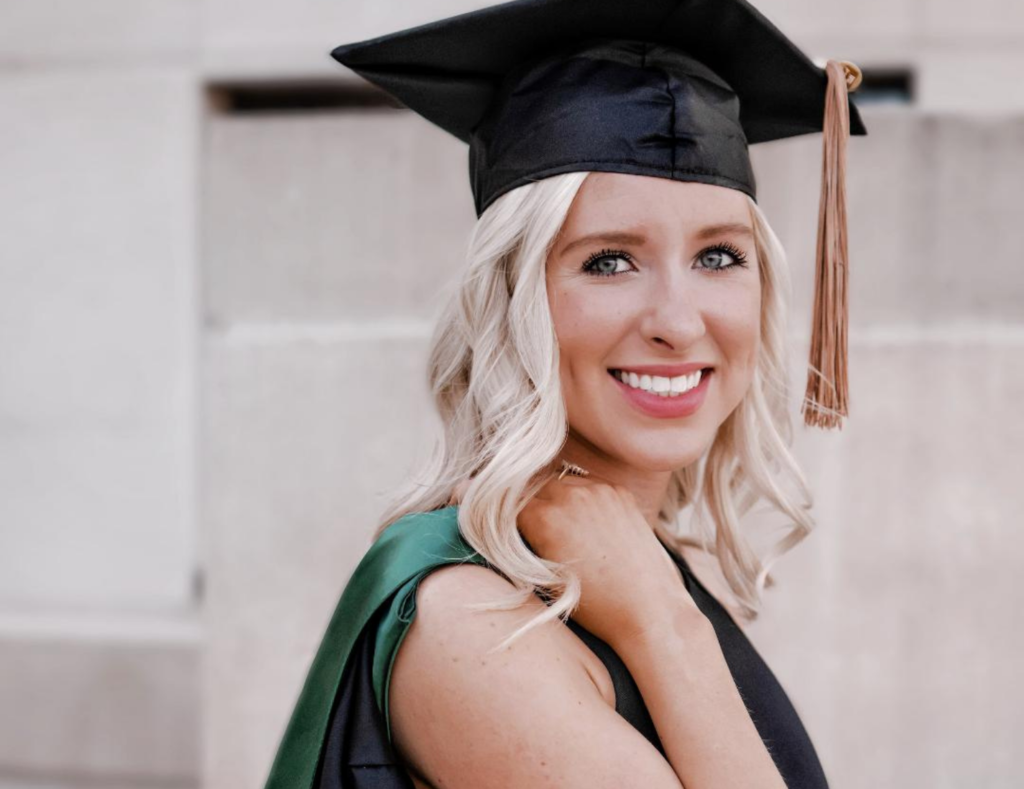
[527, 718]
[632, 597]
[708, 735]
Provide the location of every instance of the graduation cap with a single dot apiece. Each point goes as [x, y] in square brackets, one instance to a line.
[670, 88]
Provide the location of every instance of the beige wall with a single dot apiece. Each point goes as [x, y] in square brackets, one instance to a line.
[213, 332]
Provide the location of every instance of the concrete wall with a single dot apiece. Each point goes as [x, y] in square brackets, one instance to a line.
[99, 636]
[213, 332]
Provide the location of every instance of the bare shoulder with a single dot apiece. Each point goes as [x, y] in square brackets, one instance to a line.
[527, 716]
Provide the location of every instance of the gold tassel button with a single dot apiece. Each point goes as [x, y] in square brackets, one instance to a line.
[854, 76]
[826, 397]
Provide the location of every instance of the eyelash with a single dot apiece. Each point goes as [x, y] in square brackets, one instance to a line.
[725, 246]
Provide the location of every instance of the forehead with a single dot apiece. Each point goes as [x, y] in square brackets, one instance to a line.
[622, 200]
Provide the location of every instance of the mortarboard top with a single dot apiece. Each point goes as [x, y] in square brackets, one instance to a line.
[671, 88]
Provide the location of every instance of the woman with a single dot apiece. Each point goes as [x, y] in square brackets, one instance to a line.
[525, 616]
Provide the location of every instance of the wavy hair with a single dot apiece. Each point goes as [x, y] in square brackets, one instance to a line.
[494, 377]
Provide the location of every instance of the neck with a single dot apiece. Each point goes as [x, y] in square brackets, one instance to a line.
[648, 487]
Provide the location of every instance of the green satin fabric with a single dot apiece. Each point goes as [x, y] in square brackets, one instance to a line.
[402, 609]
[388, 573]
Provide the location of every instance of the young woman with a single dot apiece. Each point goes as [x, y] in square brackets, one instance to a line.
[614, 354]
[661, 280]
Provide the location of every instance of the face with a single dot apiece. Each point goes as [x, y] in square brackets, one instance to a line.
[650, 272]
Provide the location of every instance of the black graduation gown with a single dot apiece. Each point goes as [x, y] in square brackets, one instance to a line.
[341, 739]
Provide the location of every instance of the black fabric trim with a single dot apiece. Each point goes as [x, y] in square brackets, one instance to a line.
[357, 754]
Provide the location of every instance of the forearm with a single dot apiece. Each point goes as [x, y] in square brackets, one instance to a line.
[708, 735]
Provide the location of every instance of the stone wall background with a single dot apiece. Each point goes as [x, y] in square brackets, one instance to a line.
[213, 328]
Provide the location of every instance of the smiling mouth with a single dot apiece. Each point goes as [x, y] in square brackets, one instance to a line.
[663, 386]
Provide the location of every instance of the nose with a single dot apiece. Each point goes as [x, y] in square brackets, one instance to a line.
[674, 317]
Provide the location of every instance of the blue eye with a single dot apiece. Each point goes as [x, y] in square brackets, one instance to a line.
[590, 266]
[595, 265]
[716, 252]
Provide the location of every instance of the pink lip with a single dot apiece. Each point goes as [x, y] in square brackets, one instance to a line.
[666, 407]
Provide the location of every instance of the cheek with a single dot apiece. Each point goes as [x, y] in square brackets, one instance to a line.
[571, 323]
[585, 320]
[738, 328]
[588, 322]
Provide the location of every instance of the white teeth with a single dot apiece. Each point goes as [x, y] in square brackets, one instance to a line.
[660, 385]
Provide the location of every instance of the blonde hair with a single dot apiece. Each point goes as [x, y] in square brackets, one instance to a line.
[494, 376]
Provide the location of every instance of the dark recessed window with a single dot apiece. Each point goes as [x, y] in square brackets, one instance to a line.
[885, 86]
[295, 96]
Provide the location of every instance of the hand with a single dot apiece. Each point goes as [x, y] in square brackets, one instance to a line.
[629, 581]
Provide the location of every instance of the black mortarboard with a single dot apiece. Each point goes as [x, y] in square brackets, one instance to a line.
[671, 88]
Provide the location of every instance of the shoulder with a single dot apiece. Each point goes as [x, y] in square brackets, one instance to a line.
[466, 717]
[446, 673]
[447, 588]
[451, 646]
[445, 602]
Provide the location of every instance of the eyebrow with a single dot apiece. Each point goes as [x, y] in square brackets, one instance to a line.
[638, 239]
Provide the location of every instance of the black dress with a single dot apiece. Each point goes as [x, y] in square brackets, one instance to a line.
[358, 754]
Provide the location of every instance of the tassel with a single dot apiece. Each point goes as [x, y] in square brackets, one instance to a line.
[825, 400]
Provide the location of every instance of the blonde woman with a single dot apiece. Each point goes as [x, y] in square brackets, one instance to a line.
[531, 613]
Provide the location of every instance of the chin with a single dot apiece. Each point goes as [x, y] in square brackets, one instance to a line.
[672, 459]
